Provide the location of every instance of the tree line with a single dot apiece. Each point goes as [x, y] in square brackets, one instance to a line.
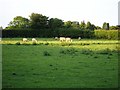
[39, 21]
[39, 25]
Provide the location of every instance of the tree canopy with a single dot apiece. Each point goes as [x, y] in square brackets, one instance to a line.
[19, 22]
[55, 23]
[38, 21]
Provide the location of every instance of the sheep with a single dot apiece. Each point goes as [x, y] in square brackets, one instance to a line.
[68, 39]
[79, 38]
[62, 39]
[56, 38]
[25, 39]
[34, 40]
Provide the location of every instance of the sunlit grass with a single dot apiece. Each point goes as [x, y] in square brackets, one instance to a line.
[52, 64]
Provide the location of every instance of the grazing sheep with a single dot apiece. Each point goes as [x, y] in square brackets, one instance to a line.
[56, 38]
[34, 40]
[79, 38]
[68, 40]
[62, 39]
[25, 40]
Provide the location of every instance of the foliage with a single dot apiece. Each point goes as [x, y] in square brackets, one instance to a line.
[74, 33]
[18, 22]
[114, 27]
[68, 32]
[83, 25]
[106, 34]
[68, 24]
[55, 23]
[75, 25]
[38, 21]
[105, 26]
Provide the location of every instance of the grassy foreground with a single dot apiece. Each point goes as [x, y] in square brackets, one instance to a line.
[58, 66]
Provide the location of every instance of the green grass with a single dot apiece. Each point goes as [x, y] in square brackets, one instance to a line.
[57, 66]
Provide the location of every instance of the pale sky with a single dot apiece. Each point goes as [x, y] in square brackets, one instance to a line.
[95, 11]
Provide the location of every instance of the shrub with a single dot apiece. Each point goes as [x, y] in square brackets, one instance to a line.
[106, 34]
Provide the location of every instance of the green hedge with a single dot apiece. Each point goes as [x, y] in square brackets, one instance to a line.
[26, 33]
[73, 33]
[106, 34]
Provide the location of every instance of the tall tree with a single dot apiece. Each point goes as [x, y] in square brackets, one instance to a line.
[105, 26]
[98, 27]
[38, 21]
[75, 24]
[82, 25]
[19, 22]
[89, 26]
[55, 23]
[68, 24]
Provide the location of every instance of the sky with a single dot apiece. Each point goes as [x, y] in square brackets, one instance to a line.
[95, 11]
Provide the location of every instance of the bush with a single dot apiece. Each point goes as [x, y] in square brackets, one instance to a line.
[65, 32]
[106, 34]
[73, 33]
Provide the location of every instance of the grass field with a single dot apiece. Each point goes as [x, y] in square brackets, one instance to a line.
[51, 64]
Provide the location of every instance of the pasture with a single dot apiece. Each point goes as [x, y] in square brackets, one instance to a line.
[54, 64]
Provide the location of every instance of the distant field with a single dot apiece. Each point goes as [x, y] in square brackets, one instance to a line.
[52, 64]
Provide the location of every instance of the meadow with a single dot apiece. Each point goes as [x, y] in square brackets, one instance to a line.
[85, 63]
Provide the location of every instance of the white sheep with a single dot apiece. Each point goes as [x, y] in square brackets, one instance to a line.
[68, 40]
[79, 38]
[62, 39]
[25, 39]
[56, 38]
[34, 40]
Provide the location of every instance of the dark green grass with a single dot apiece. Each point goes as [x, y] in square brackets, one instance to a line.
[27, 66]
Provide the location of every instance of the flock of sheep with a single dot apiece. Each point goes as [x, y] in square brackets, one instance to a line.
[61, 39]
[33, 40]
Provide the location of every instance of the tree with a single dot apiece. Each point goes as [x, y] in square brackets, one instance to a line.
[75, 24]
[19, 22]
[38, 21]
[68, 24]
[114, 27]
[82, 25]
[55, 23]
[89, 26]
[105, 26]
[98, 27]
